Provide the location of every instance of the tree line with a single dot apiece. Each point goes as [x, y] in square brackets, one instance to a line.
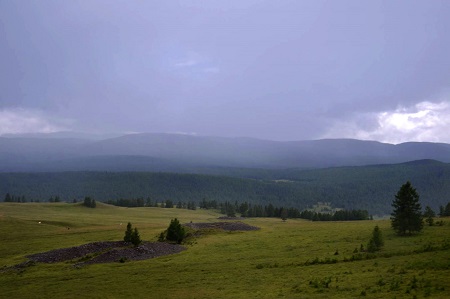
[249, 210]
[140, 202]
[244, 209]
[22, 198]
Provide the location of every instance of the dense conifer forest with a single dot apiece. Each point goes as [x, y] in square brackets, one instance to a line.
[370, 188]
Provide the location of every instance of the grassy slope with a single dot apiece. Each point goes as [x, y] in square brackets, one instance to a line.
[258, 264]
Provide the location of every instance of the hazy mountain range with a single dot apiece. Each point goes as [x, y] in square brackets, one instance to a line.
[187, 153]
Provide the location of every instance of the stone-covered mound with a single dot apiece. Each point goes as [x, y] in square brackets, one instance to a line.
[67, 254]
[107, 252]
[147, 250]
[226, 226]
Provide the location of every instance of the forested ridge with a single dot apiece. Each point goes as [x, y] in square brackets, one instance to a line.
[370, 188]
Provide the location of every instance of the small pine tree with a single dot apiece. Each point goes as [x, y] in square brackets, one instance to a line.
[128, 233]
[441, 211]
[135, 237]
[429, 216]
[175, 231]
[371, 246]
[284, 214]
[162, 237]
[376, 242]
[447, 210]
[87, 201]
[8, 197]
[229, 210]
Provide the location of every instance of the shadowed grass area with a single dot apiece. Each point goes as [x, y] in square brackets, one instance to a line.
[292, 259]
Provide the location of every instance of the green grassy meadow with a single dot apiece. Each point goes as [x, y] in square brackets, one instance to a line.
[292, 259]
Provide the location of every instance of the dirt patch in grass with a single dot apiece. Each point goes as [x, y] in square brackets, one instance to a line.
[226, 226]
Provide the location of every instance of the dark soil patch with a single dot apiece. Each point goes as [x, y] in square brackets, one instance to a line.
[226, 226]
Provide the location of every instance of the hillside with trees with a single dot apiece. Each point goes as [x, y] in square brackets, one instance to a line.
[366, 187]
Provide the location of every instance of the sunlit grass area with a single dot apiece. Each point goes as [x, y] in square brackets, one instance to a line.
[292, 259]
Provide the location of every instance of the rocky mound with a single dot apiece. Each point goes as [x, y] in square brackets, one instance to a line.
[227, 226]
[102, 252]
[67, 254]
[147, 250]
[120, 251]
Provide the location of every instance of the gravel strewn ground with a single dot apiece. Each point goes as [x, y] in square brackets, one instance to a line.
[66, 254]
[147, 250]
[101, 252]
[227, 226]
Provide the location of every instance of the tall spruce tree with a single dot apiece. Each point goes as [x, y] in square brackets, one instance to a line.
[407, 215]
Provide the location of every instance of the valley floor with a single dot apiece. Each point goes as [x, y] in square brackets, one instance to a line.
[292, 259]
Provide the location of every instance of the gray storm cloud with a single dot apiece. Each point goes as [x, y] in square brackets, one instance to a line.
[276, 70]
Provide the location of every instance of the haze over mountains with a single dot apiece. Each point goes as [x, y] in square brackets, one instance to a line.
[187, 153]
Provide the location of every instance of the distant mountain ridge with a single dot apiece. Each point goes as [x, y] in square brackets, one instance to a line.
[181, 153]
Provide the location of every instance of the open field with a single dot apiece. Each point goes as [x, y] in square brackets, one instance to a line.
[292, 259]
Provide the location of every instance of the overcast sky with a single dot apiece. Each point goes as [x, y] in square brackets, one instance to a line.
[279, 70]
